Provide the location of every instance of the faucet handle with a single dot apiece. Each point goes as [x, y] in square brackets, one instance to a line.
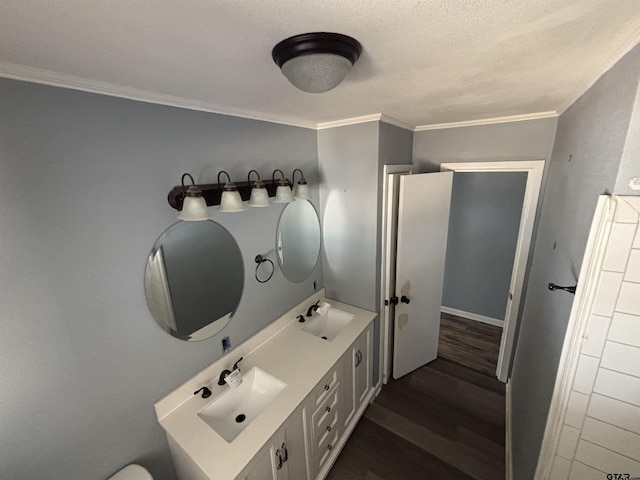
[235, 365]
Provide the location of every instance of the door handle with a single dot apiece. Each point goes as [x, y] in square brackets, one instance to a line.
[405, 299]
[393, 300]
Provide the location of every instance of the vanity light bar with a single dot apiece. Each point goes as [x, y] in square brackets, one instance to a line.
[212, 192]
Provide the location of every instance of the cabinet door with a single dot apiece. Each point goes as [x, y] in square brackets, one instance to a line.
[362, 368]
[262, 467]
[293, 449]
[348, 404]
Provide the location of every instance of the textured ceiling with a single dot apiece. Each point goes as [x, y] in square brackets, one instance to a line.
[424, 62]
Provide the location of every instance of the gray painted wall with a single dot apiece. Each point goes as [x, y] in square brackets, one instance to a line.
[82, 200]
[348, 158]
[352, 159]
[593, 130]
[527, 140]
[483, 232]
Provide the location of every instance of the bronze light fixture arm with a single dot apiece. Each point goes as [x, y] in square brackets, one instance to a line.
[212, 192]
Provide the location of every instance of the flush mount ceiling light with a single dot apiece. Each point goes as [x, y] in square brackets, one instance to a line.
[316, 62]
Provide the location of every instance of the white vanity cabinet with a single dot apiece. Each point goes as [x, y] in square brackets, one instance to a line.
[285, 456]
[298, 436]
[357, 375]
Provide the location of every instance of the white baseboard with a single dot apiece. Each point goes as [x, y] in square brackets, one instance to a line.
[472, 316]
[507, 450]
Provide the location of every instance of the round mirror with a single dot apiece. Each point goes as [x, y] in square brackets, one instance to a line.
[194, 279]
[298, 240]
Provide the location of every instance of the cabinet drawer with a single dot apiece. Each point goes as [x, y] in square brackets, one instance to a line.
[328, 408]
[328, 427]
[321, 392]
[325, 450]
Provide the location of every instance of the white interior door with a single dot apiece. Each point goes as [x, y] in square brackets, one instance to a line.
[423, 224]
[391, 187]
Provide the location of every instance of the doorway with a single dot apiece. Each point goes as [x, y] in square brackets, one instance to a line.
[392, 199]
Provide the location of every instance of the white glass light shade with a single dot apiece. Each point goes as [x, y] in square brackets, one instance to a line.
[259, 197]
[194, 209]
[302, 192]
[231, 202]
[316, 72]
[283, 194]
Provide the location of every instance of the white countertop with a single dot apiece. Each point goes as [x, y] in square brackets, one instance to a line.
[283, 350]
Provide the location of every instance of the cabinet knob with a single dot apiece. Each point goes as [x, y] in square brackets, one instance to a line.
[327, 387]
[329, 447]
[328, 428]
[328, 409]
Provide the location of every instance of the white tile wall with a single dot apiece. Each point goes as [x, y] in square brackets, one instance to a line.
[625, 329]
[576, 409]
[618, 385]
[612, 438]
[629, 299]
[605, 460]
[621, 358]
[596, 335]
[615, 259]
[581, 472]
[607, 293]
[586, 374]
[568, 441]
[625, 212]
[601, 425]
[632, 273]
[615, 412]
[561, 469]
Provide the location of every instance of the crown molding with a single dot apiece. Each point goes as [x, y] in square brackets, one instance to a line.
[72, 82]
[398, 123]
[46, 77]
[350, 121]
[488, 121]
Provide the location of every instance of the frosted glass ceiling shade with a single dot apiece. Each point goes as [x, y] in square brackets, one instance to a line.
[316, 73]
[316, 62]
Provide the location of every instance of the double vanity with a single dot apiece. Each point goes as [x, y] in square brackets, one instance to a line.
[306, 382]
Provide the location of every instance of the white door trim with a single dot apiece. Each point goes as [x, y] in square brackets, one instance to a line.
[534, 170]
[388, 206]
[576, 328]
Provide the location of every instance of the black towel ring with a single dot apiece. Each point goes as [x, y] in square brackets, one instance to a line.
[260, 260]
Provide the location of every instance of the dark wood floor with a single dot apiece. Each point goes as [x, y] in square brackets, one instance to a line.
[470, 343]
[443, 421]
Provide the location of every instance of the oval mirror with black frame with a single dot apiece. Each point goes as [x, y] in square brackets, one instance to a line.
[194, 279]
[298, 240]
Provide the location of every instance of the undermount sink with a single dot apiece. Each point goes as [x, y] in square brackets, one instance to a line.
[329, 324]
[230, 413]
